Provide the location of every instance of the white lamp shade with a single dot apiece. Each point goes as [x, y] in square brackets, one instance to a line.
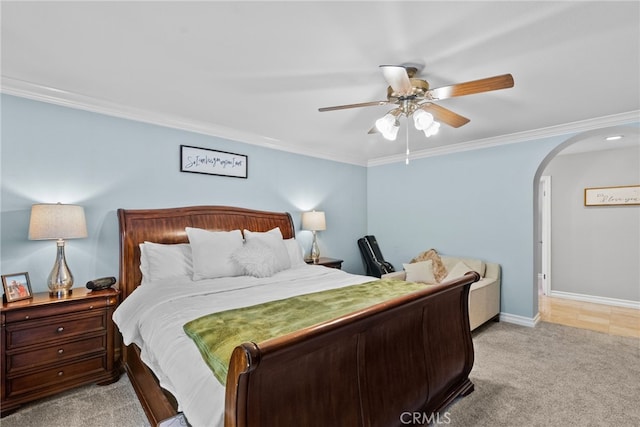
[57, 221]
[314, 221]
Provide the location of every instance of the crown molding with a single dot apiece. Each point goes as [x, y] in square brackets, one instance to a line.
[42, 93]
[36, 92]
[563, 129]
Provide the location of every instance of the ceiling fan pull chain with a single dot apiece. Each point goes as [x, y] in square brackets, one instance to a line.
[406, 161]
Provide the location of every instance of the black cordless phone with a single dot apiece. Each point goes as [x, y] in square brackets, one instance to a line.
[101, 283]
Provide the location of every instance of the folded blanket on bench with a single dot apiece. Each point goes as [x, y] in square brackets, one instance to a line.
[217, 334]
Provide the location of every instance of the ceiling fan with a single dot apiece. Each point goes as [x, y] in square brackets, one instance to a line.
[413, 97]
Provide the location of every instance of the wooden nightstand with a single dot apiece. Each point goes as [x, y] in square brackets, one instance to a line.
[50, 345]
[326, 262]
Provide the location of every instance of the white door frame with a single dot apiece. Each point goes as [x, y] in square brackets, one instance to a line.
[545, 233]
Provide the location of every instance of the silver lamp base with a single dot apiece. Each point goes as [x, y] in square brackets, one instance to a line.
[60, 280]
[315, 250]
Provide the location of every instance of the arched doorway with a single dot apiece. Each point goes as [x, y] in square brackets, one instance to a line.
[587, 141]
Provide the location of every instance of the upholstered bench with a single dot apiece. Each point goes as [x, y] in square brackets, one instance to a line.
[484, 296]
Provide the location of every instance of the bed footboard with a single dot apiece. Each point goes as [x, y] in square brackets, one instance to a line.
[375, 367]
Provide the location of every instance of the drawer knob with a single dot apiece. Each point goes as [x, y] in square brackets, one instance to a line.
[90, 307]
[61, 351]
[61, 328]
[26, 317]
[61, 373]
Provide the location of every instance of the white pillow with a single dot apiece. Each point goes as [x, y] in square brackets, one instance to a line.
[211, 252]
[296, 252]
[474, 264]
[256, 259]
[158, 261]
[272, 238]
[458, 270]
[421, 272]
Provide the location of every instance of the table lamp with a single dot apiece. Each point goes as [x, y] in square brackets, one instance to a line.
[58, 222]
[314, 221]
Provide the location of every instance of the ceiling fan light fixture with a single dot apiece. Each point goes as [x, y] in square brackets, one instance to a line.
[432, 130]
[412, 96]
[392, 133]
[422, 120]
[388, 126]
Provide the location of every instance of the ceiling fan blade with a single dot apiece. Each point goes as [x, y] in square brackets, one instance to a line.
[397, 78]
[445, 115]
[344, 107]
[468, 88]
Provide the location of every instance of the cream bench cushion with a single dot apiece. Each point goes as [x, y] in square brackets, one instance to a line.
[484, 295]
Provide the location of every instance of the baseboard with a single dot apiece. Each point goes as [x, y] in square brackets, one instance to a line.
[520, 320]
[596, 300]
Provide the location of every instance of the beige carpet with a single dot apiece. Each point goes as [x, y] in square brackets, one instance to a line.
[113, 405]
[550, 375]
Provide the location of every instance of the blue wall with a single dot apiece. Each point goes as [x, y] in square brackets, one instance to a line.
[55, 154]
[476, 203]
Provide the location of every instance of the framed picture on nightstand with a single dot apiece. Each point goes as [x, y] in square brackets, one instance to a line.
[16, 286]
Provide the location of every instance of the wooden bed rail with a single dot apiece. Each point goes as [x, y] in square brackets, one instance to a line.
[409, 355]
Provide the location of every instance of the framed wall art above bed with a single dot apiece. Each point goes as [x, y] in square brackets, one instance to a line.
[213, 162]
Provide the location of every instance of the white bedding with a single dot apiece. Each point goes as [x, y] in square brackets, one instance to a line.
[153, 316]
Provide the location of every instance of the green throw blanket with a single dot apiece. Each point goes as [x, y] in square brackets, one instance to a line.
[217, 334]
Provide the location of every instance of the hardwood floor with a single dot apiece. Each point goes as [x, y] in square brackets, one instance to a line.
[597, 317]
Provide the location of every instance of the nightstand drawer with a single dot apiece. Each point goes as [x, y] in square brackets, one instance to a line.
[56, 375]
[54, 329]
[20, 361]
[34, 313]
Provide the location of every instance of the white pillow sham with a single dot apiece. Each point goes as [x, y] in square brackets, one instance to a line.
[296, 252]
[211, 252]
[159, 261]
[273, 239]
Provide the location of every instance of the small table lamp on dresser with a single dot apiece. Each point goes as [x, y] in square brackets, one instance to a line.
[58, 222]
[314, 221]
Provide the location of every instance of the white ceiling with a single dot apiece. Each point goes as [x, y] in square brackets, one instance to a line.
[259, 71]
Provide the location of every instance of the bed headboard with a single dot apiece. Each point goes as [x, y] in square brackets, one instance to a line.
[168, 226]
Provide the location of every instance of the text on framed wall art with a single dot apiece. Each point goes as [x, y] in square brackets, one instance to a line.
[612, 196]
[212, 162]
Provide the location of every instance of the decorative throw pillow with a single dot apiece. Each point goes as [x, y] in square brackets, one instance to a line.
[439, 271]
[211, 252]
[421, 272]
[256, 259]
[272, 238]
[158, 261]
[475, 264]
[459, 270]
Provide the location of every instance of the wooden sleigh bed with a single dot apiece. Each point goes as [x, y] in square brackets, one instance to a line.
[375, 367]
